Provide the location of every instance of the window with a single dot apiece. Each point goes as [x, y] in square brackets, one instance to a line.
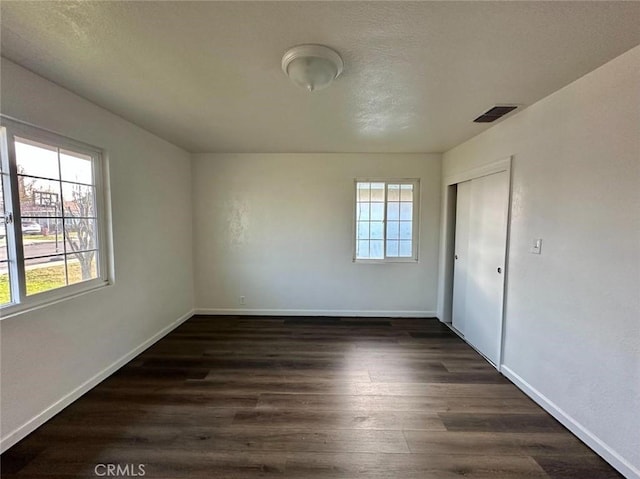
[386, 220]
[51, 206]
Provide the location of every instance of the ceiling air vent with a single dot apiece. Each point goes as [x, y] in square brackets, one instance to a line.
[494, 113]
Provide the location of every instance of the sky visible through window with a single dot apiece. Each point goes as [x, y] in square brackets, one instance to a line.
[43, 162]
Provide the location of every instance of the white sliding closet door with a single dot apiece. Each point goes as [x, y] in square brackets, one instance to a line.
[483, 277]
[463, 203]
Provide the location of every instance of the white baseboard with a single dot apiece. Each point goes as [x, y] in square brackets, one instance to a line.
[316, 312]
[32, 424]
[623, 466]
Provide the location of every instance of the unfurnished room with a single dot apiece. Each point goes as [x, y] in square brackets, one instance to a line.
[320, 239]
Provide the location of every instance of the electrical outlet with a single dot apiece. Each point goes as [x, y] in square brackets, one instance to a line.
[242, 300]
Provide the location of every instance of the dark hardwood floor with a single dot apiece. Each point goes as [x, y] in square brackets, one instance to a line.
[242, 397]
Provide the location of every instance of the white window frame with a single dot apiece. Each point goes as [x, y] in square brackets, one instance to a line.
[20, 302]
[415, 236]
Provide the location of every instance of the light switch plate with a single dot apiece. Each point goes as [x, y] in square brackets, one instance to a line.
[536, 246]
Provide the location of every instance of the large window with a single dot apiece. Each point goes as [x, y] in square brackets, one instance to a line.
[386, 224]
[52, 230]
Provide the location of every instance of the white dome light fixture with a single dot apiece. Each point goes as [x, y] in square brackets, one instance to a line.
[312, 67]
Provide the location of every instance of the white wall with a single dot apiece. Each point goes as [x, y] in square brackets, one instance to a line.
[48, 353]
[573, 313]
[277, 229]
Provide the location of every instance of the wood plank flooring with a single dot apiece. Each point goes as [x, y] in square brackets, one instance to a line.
[249, 397]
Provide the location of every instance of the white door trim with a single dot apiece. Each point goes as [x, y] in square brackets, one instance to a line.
[478, 172]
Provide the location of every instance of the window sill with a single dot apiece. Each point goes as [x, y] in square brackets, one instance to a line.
[49, 298]
[386, 261]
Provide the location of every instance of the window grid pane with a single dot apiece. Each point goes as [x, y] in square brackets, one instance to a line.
[36, 159]
[392, 248]
[377, 211]
[376, 229]
[393, 210]
[406, 230]
[406, 193]
[76, 168]
[363, 211]
[377, 192]
[376, 249]
[363, 230]
[406, 211]
[393, 193]
[364, 192]
[82, 266]
[393, 230]
[405, 249]
[45, 273]
[78, 200]
[363, 249]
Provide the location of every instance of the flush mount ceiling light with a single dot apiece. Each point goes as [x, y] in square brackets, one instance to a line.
[312, 67]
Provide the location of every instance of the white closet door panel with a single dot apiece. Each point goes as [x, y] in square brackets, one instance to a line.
[485, 266]
[463, 203]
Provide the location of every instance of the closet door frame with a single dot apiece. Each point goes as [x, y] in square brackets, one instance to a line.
[449, 186]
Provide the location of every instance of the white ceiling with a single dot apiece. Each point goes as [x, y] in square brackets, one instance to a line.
[206, 75]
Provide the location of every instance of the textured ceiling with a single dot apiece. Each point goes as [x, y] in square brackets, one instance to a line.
[206, 75]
